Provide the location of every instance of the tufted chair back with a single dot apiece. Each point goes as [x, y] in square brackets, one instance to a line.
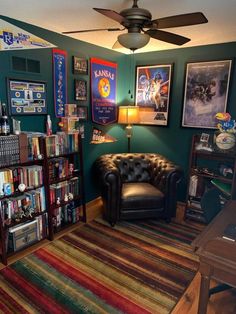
[133, 167]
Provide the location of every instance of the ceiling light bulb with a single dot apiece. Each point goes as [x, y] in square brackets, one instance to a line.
[133, 41]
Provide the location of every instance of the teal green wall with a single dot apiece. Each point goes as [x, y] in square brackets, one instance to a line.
[172, 141]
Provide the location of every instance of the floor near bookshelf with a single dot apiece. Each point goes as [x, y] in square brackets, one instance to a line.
[133, 267]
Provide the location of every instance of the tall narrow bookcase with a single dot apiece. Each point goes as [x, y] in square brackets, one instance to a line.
[64, 181]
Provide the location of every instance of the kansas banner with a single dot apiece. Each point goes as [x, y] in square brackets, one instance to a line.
[103, 91]
[60, 81]
[15, 38]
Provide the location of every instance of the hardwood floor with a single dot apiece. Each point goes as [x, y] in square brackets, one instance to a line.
[220, 303]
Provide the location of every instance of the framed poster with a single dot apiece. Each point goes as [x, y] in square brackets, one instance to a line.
[26, 97]
[80, 89]
[206, 93]
[80, 65]
[153, 93]
[103, 91]
[82, 113]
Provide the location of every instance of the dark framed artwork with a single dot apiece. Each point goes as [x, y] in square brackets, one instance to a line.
[206, 93]
[80, 90]
[80, 65]
[82, 113]
[153, 84]
[26, 97]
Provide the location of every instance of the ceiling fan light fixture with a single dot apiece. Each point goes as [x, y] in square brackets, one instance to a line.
[133, 41]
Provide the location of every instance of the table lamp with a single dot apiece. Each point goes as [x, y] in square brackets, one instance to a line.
[128, 115]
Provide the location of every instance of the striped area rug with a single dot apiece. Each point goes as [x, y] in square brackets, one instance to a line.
[136, 267]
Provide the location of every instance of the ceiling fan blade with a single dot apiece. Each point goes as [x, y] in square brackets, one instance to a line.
[167, 37]
[180, 20]
[94, 30]
[111, 14]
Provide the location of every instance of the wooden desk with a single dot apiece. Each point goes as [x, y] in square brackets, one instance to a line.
[217, 255]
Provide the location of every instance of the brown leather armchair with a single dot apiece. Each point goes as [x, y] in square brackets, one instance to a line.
[137, 185]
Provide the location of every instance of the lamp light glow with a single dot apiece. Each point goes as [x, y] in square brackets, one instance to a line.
[128, 115]
[133, 41]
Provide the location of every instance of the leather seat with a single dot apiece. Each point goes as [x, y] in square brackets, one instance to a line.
[136, 185]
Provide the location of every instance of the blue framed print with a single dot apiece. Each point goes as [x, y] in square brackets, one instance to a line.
[26, 97]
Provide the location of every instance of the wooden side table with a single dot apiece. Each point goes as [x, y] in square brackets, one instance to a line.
[217, 255]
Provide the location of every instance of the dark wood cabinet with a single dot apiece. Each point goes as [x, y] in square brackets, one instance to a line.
[209, 170]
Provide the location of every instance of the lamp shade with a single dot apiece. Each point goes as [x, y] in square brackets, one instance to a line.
[128, 115]
[133, 40]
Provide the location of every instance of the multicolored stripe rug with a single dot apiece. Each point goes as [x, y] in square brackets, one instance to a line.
[136, 267]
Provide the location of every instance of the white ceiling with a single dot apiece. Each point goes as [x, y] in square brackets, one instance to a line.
[60, 15]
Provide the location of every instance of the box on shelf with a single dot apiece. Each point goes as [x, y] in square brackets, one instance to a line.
[68, 124]
[22, 235]
[71, 110]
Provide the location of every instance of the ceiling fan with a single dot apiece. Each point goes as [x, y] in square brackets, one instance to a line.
[141, 27]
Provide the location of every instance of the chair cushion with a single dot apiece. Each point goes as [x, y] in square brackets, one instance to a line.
[141, 195]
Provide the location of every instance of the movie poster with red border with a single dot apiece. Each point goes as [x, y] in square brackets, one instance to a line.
[103, 91]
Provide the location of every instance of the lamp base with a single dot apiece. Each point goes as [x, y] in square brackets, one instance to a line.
[129, 134]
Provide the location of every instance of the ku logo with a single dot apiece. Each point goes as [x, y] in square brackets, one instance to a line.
[8, 38]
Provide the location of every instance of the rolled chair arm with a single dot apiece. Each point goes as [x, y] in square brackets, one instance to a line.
[109, 179]
[165, 176]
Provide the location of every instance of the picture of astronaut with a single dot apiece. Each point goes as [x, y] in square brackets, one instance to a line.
[153, 93]
[206, 90]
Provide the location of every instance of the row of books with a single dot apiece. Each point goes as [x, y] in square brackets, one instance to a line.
[61, 143]
[69, 213]
[59, 168]
[12, 177]
[9, 150]
[13, 209]
[64, 191]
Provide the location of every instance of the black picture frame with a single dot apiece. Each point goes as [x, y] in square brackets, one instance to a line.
[26, 97]
[205, 92]
[80, 89]
[79, 65]
[154, 80]
[82, 113]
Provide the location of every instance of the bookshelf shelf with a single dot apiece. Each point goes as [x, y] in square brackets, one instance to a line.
[23, 220]
[206, 175]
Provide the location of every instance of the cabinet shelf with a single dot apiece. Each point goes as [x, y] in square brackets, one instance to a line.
[211, 176]
[18, 193]
[22, 220]
[63, 203]
[74, 175]
[62, 155]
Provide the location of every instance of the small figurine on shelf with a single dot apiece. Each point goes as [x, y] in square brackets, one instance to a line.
[58, 201]
[49, 125]
[71, 196]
